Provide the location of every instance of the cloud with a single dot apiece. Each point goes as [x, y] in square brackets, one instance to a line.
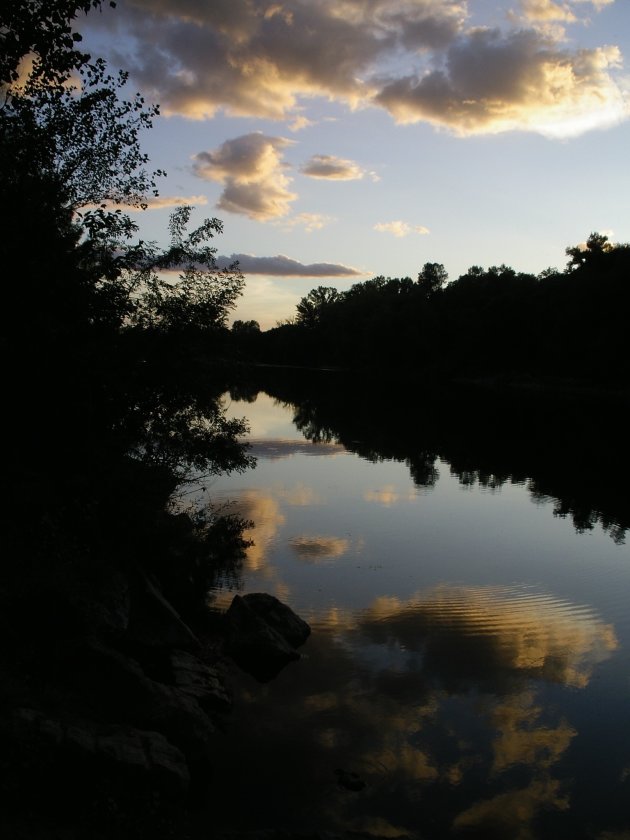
[257, 59]
[300, 122]
[492, 83]
[399, 228]
[161, 201]
[557, 10]
[309, 221]
[155, 203]
[282, 266]
[332, 168]
[252, 58]
[252, 172]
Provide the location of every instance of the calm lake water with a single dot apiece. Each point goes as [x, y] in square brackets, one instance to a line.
[470, 650]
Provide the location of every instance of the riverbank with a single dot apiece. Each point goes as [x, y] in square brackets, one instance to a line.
[112, 702]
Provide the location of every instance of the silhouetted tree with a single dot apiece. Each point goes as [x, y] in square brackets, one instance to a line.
[97, 327]
[591, 252]
[245, 327]
[41, 30]
[312, 308]
[432, 278]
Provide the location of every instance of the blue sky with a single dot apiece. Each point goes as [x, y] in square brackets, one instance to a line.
[343, 139]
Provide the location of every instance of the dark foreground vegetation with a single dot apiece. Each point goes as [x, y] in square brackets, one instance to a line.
[560, 325]
[112, 668]
[110, 684]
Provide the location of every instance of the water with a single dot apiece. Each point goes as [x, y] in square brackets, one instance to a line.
[468, 667]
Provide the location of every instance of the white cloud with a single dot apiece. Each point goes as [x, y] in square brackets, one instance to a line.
[399, 228]
[252, 172]
[309, 221]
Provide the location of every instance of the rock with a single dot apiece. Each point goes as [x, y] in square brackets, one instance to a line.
[198, 681]
[154, 622]
[279, 616]
[126, 692]
[262, 634]
[119, 752]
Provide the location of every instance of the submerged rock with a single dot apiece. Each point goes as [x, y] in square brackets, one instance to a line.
[262, 634]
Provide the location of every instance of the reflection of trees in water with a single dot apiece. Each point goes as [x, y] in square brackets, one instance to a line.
[568, 450]
[443, 746]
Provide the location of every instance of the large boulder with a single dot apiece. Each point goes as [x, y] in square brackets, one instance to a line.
[262, 634]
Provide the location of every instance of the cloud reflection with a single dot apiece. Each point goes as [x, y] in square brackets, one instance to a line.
[264, 511]
[493, 631]
[453, 707]
[387, 496]
[315, 549]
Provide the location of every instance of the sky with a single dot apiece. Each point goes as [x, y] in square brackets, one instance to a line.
[339, 140]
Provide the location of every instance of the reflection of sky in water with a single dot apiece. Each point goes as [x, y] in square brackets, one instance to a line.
[465, 660]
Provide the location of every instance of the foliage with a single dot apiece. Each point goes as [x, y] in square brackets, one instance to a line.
[591, 252]
[121, 343]
[312, 308]
[432, 278]
[43, 29]
[488, 322]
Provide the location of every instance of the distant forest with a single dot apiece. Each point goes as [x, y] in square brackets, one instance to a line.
[495, 322]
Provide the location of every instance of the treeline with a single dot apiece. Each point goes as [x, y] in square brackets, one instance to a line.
[567, 324]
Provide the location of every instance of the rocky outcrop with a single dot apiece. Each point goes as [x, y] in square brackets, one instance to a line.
[198, 681]
[113, 693]
[121, 688]
[262, 634]
[89, 750]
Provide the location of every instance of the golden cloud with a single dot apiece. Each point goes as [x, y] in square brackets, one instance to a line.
[493, 83]
[533, 634]
[251, 58]
[251, 170]
[332, 168]
[263, 510]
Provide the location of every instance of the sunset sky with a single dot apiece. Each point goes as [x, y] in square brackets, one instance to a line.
[343, 139]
